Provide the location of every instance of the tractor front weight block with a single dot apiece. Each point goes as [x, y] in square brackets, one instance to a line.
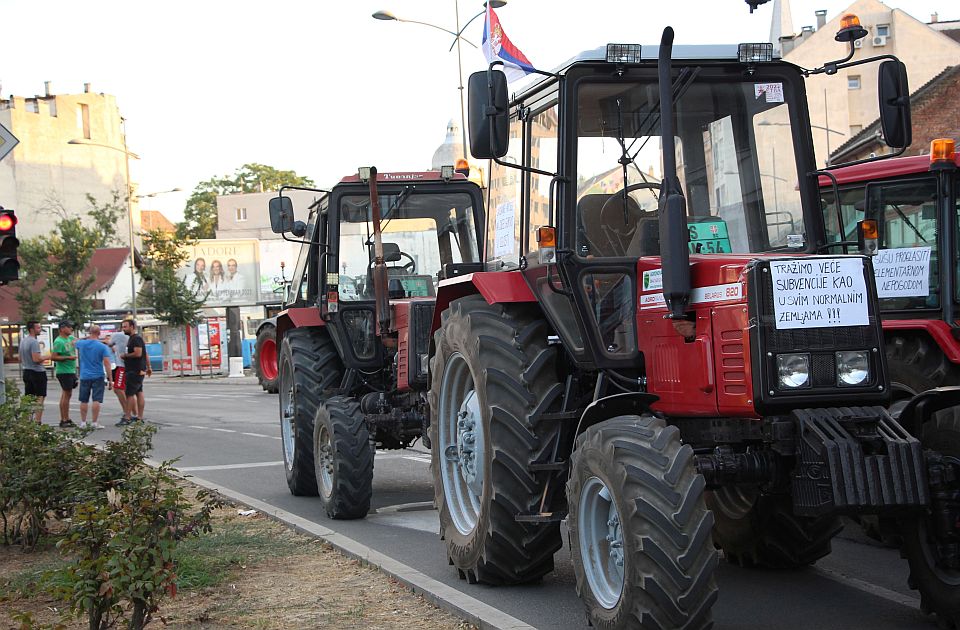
[856, 460]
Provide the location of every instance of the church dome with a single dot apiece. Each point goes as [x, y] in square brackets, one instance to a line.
[451, 150]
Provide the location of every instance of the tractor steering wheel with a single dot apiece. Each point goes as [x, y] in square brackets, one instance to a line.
[618, 238]
[409, 267]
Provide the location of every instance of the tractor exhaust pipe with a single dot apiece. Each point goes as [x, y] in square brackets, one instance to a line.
[672, 209]
[381, 303]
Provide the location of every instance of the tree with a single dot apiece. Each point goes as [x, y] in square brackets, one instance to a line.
[63, 258]
[172, 300]
[200, 213]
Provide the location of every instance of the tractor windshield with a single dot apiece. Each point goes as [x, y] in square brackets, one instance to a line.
[422, 232]
[735, 161]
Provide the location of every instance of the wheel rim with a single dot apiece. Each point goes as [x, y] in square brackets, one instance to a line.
[462, 444]
[324, 457]
[735, 501]
[287, 415]
[268, 359]
[601, 542]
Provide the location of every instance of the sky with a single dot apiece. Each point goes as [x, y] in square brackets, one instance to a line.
[319, 86]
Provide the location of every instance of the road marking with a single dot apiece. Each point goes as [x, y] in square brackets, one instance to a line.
[406, 507]
[422, 460]
[224, 430]
[194, 426]
[868, 587]
[229, 466]
[256, 435]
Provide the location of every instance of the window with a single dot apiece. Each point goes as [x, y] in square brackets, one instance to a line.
[503, 214]
[853, 82]
[883, 30]
[83, 119]
[543, 156]
[241, 214]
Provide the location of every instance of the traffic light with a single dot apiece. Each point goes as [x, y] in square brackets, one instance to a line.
[9, 265]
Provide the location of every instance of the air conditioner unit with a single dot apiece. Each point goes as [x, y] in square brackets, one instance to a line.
[880, 40]
[858, 43]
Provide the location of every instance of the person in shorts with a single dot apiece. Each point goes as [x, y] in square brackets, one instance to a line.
[94, 357]
[135, 362]
[34, 374]
[65, 355]
[118, 341]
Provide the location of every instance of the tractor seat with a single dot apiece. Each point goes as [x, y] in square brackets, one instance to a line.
[605, 230]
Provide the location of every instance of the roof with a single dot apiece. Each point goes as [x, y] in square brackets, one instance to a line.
[422, 176]
[872, 131]
[882, 169]
[105, 265]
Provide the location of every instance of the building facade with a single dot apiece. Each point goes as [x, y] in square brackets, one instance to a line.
[842, 105]
[71, 146]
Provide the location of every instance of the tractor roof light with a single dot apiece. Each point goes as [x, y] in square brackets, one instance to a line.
[943, 153]
[755, 52]
[462, 167]
[623, 53]
[446, 173]
[850, 29]
[364, 173]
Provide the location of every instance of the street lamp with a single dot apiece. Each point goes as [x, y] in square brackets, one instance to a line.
[457, 36]
[767, 123]
[127, 154]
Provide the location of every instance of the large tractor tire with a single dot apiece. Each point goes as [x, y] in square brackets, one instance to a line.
[756, 529]
[639, 528]
[916, 363]
[309, 368]
[265, 363]
[938, 583]
[493, 375]
[343, 458]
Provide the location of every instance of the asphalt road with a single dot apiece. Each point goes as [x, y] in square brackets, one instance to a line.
[229, 434]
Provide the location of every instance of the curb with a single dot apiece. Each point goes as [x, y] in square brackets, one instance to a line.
[482, 615]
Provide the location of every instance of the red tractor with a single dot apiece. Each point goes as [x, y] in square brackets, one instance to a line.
[673, 363]
[914, 203]
[355, 334]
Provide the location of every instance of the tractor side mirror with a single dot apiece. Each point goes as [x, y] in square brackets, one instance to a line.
[281, 215]
[894, 104]
[488, 114]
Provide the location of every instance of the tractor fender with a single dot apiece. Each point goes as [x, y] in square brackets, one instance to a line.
[922, 407]
[496, 287]
[939, 331]
[297, 318]
[269, 322]
[632, 404]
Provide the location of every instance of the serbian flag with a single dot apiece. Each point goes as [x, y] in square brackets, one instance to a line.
[498, 47]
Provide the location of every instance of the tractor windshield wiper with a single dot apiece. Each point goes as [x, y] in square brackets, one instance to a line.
[907, 221]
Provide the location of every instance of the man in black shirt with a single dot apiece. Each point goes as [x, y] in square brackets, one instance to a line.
[135, 361]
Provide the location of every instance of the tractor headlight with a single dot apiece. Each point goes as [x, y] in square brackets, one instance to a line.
[424, 365]
[793, 371]
[853, 368]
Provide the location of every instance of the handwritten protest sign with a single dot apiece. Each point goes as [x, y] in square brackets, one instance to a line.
[505, 231]
[819, 293]
[903, 272]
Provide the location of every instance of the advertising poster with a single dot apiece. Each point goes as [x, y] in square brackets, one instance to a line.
[273, 254]
[208, 343]
[224, 272]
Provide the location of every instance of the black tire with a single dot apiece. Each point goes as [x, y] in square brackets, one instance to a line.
[339, 428]
[916, 363]
[939, 587]
[755, 529]
[264, 354]
[668, 557]
[513, 373]
[309, 368]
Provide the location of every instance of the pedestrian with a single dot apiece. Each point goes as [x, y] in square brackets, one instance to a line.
[94, 358]
[118, 341]
[34, 374]
[134, 360]
[64, 355]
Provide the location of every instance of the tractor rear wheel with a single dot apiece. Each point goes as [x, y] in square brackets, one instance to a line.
[343, 458]
[932, 572]
[639, 528]
[309, 367]
[756, 529]
[265, 362]
[916, 363]
[493, 376]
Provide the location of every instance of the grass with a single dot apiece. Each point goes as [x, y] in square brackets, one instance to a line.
[207, 560]
[28, 581]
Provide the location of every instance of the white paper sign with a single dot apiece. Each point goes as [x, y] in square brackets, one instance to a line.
[819, 293]
[903, 272]
[505, 232]
[773, 92]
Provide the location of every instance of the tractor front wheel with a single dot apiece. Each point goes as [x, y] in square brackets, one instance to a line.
[639, 528]
[343, 458]
[265, 361]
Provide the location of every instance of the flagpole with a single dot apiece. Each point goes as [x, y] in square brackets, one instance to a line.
[463, 116]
